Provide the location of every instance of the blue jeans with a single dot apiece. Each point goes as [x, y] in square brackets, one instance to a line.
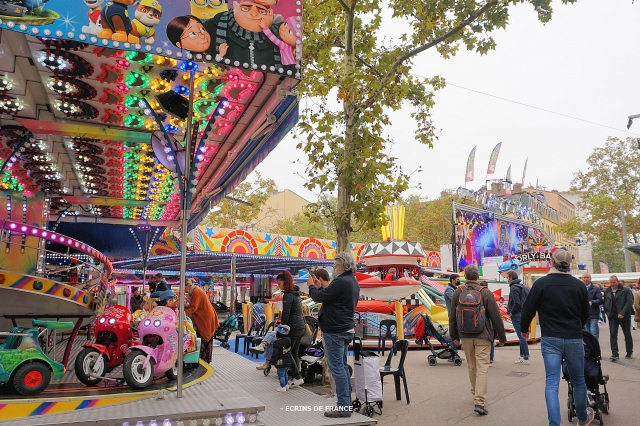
[336, 346]
[524, 346]
[269, 338]
[592, 327]
[554, 350]
[283, 376]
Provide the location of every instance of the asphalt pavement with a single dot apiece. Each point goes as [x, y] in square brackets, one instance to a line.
[441, 394]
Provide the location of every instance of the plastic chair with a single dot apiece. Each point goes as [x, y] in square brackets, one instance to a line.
[252, 341]
[254, 330]
[387, 327]
[401, 346]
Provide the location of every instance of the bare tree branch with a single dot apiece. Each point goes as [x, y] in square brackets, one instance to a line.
[401, 59]
[344, 5]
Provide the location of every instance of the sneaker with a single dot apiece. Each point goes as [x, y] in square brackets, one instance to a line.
[450, 360]
[522, 361]
[614, 357]
[295, 383]
[480, 409]
[628, 356]
[334, 414]
[262, 366]
[280, 389]
[490, 363]
[590, 416]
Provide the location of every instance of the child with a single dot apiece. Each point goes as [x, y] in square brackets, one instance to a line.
[281, 356]
[290, 38]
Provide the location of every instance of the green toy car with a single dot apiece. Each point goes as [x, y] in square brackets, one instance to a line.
[23, 365]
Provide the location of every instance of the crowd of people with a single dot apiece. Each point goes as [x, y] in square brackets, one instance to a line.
[197, 307]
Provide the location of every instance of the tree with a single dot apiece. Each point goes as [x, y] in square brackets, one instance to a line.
[243, 205]
[611, 184]
[430, 221]
[355, 75]
[308, 224]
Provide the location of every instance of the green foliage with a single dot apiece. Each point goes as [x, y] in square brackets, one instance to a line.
[232, 213]
[611, 181]
[429, 221]
[357, 69]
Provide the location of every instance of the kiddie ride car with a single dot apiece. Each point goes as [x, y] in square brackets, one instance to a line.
[23, 365]
[114, 336]
[157, 354]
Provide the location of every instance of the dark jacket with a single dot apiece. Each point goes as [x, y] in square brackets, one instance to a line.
[339, 300]
[281, 355]
[292, 310]
[448, 294]
[562, 304]
[492, 326]
[517, 296]
[595, 297]
[621, 304]
[136, 303]
[162, 285]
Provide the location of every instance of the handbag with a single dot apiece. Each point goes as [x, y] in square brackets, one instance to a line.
[307, 330]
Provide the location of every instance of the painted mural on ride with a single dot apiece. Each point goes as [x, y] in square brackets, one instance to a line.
[263, 35]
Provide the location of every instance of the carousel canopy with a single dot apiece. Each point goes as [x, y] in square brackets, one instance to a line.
[99, 124]
[393, 248]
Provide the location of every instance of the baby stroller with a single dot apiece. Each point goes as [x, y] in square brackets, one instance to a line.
[593, 378]
[366, 369]
[225, 329]
[424, 331]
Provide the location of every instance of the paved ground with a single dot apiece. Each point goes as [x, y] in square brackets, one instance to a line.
[441, 394]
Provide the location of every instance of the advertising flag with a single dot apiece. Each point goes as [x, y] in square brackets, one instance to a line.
[508, 176]
[493, 160]
[637, 266]
[524, 172]
[472, 156]
[604, 268]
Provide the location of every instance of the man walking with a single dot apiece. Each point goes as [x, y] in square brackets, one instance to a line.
[595, 301]
[563, 308]
[474, 320]
[335, 319]
[618, 303]
[517, 296]
[454, 281]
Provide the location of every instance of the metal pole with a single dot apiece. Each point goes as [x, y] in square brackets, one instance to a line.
[145, 258]
[183, 245]
[233, 285]
[454, 252]
[625, 242]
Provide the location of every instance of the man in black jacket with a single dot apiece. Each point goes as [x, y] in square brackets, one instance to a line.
[517, 297]
[563, 307]
[618, 303]
[595, 301]
[335, 319]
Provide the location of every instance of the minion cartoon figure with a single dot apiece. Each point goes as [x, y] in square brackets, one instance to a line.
[207, 9]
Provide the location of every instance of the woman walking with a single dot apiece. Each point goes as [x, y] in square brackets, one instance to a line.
[292, 316]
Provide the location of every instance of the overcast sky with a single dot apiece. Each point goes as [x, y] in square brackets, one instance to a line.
[583, 64]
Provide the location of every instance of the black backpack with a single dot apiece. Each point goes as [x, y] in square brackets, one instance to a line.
[470, 312]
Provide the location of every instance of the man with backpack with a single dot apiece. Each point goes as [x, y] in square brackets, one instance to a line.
[562, 304]
[474, 320]
[518, 293]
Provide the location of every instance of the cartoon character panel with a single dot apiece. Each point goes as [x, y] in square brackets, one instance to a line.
[481, 235]
[262, 35]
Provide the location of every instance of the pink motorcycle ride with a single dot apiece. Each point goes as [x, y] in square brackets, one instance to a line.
[158, 352]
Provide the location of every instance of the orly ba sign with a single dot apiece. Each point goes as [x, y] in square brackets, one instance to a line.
[253, 34]
[543, 256]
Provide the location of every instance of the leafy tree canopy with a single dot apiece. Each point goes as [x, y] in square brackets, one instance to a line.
[243, 205]
[610, 183]
[357, 68]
